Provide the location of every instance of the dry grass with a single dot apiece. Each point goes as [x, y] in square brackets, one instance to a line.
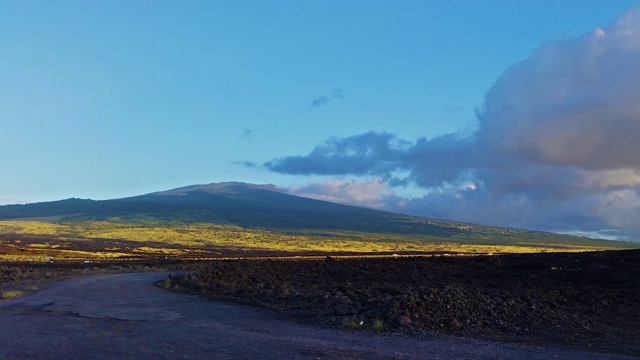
[352, 325]
[185, 240]
[11, 294]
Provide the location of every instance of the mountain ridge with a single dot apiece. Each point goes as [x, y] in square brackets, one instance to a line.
[230, 187]
[255, 206]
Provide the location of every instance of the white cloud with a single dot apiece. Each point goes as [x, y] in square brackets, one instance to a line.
[13, 200]
[372, 193]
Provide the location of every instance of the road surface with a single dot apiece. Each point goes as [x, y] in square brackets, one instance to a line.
[125, 316]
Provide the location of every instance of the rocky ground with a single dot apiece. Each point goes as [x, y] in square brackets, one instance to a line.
[587, 300]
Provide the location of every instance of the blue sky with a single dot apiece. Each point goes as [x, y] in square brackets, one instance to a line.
[397, 105]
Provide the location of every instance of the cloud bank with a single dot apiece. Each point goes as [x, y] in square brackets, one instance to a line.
[557, 146]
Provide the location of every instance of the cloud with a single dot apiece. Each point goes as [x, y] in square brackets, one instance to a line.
[338, 93]
[371, 193]
[573, 102]
[556, 145]
[248, 164]
[320, 101]
[10, 200]
[455, 109]
[247, 134]
[323, 100]
[369, 153]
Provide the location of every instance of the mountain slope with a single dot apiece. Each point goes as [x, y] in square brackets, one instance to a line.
[259, 206]
[246, 205]
[229, 202]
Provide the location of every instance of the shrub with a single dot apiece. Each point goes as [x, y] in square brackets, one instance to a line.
[377, 325]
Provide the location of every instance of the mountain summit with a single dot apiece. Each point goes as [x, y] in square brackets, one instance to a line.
[232, 187]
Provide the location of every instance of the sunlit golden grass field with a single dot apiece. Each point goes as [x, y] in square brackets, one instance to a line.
[36, 239]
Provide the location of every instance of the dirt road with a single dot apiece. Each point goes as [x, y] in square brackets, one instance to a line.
[125, 316]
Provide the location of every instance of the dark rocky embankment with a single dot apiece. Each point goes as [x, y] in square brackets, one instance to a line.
[586, 300]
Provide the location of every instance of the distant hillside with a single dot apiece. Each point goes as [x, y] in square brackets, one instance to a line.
[260, 207]
[246, 205]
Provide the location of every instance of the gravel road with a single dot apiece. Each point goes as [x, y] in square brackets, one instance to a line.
[125, 316]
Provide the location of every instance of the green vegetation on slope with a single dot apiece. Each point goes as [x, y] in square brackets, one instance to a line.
[112, 239]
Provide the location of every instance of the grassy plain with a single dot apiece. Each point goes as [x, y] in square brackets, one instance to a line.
[39, 239]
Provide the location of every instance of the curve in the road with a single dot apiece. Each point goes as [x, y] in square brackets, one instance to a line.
[125, 316]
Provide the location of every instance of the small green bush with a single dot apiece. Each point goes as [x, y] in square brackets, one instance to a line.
[377, 325]
[167, 283]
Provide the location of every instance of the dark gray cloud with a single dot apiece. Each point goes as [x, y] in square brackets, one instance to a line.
[556, 145]
[370, 153]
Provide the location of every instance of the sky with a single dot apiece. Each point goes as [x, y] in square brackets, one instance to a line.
[510, 113]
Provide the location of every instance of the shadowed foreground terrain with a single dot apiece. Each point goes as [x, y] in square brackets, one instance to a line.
[588, 301]
[584, 301]
[123, 316]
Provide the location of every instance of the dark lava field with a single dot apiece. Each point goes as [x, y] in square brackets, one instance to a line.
[589, 301]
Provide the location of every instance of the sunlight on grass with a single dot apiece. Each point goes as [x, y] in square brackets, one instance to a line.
[11, 294]
[352, 325]
[185, 240]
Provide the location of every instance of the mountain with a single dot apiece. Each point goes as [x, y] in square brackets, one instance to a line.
[246, 205]
[252, 206]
